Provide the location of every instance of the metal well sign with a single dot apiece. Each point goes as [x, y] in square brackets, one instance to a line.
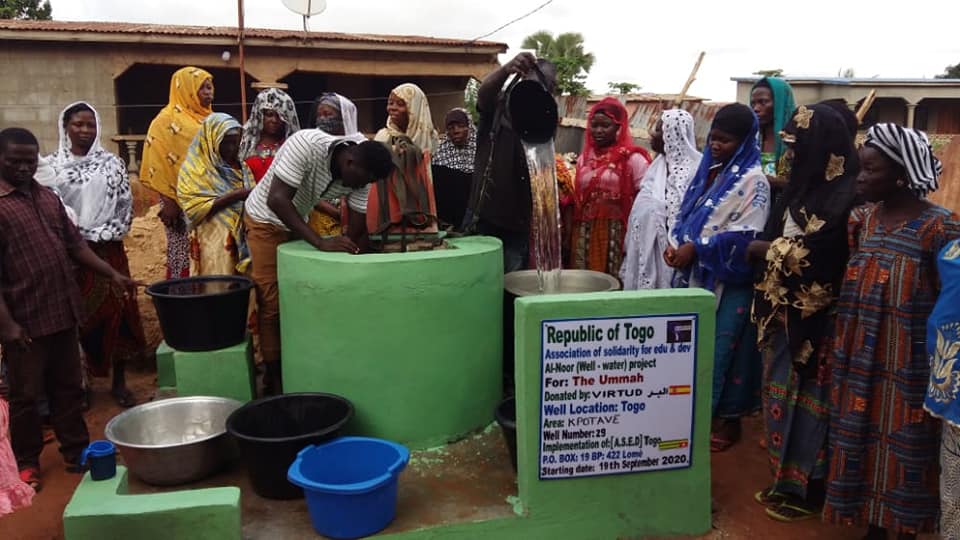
[617, 395]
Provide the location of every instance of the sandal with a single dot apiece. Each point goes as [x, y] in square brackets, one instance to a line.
[31, 477]
[727, 435]
[124, 397]
[791, 512]
[769, 498]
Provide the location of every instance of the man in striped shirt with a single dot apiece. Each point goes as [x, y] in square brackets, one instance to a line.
[310, 166]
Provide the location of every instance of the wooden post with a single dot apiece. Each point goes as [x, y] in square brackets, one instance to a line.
[243, 73]
[693, 76]
[865, 106]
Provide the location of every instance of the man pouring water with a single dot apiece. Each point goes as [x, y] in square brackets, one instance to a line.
[500, 200]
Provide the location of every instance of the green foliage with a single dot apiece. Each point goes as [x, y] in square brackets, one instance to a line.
[951, 72]
[566, 51]
[38, 10]
[470, 99]
[623, 88]
[769, 72]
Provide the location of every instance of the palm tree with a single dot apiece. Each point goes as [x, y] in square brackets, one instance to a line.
[566, 51]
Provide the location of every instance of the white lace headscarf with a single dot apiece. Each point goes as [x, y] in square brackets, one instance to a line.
[94, 186]
[657, 204]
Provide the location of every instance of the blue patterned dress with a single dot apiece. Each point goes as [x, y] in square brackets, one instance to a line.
[883, 467]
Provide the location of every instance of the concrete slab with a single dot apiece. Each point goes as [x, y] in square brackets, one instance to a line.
[103, 509]
[462, 483]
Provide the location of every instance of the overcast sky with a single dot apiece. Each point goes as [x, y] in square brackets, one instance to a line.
[653, 44]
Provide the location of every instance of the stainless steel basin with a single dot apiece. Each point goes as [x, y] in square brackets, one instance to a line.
[174, 441]
[524, 282]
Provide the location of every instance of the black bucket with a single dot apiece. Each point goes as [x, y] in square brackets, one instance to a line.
[202, 313]
[271, 432]
[506, 415]
[533, 112]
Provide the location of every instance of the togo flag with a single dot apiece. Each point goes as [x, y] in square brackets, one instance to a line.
[679, 390]
[674, 444]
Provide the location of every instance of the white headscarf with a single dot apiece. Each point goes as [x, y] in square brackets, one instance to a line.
[657, 204]
[95, 186]
[348, 112]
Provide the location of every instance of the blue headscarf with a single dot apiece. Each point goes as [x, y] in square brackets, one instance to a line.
[727, 261]
[943, 340]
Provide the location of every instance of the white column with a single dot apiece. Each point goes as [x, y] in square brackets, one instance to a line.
[911, 112]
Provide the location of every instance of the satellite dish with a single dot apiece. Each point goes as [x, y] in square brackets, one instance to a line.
[306, 8]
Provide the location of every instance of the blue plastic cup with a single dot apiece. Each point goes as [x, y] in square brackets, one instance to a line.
[102, 457]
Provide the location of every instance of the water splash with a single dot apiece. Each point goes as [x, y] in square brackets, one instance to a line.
[545, 218]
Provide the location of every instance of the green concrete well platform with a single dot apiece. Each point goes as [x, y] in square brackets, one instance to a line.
[224, 373]
[100, 510]
[671, 415]
[413, 340]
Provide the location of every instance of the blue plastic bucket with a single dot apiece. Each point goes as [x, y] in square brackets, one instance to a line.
[102, 457]
[350, 484]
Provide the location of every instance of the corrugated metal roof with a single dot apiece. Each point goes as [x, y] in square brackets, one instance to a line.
[840, 81]
[226, 31]
[573, 109]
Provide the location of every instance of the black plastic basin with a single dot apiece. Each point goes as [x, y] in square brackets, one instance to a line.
[270, 432]
[203, 313]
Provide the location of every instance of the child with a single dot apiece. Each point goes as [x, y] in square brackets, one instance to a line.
[883, 446]
[40, 307]
[14, 493]
[725, 208]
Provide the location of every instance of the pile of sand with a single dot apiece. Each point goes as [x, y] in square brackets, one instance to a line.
[146, 249]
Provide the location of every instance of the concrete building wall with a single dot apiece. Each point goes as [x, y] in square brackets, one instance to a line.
[50, 75]
[42, 80]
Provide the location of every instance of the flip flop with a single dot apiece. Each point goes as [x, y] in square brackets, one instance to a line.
[31, 477]
[769, 498]
[791, 513]
[720, 444]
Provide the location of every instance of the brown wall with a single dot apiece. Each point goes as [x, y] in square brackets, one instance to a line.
[43, 77]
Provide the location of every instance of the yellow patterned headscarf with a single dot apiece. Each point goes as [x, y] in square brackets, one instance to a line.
[172, 131]
[205, 176]
[420, 125]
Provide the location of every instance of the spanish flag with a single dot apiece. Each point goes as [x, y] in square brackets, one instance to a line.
[680, 390]
[674, 444]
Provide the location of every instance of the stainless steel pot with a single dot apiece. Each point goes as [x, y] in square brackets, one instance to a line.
[174, 441]
[524, 282]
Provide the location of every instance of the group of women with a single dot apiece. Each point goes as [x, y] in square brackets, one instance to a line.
[823, 258]
[824, 261]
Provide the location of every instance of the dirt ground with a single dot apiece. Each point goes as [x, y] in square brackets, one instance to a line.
[737, 474]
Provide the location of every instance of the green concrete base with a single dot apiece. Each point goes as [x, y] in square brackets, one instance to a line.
[166, 371]
[224, 373]
[637, 505]
[413, 340]
[100, 510]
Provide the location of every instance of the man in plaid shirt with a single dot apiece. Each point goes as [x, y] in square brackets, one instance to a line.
[40, 307]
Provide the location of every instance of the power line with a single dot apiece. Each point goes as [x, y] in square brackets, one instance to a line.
[518, 19]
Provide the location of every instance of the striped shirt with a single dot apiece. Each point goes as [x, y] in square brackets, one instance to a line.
[303, 162]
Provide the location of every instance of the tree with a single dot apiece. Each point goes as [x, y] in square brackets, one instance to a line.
[951, 72]
[470, 99]
[38, 10]
[566, 52]
[623, 88]
[769, 72]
